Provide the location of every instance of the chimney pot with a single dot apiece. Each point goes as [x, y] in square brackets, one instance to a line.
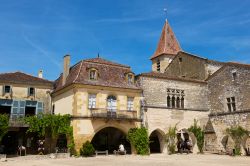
[40, 74]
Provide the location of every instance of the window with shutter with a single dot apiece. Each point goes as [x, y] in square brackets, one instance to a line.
[39, 108]
[92, 100]
[130, 103]
[22, 105]
[14, 109]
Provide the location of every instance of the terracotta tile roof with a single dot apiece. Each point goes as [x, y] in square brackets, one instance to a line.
[19, 77]
[165, 76]
[110, 74]
[103, 61]
[168, 44]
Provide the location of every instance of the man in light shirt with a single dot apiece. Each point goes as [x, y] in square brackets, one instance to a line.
[121, 148]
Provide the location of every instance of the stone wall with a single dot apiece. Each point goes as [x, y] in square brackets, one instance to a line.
[159, 117]
[20, 92]
[155, 92]
[184, 65]
[165, 60]
[225, 85]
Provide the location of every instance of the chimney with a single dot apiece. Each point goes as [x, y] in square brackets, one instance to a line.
[66, 66]
[40, 74]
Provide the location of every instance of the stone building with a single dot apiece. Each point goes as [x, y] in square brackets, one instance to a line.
[229, 103]
[173, 97]
[102, 98]
[22, 95]
[183, 87]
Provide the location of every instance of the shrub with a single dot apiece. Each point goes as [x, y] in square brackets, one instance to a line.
[170, 139]
[199, 135]
[237, 133]
[138, 137]
[4, 125]
[87, 149]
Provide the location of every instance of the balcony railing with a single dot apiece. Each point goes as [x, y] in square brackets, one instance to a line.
[114, 114]
[17, 122]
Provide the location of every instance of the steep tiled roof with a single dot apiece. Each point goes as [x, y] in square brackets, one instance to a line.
[19, 77]
[168, 44]
[165, 76]
[110, 74]
[103, 61]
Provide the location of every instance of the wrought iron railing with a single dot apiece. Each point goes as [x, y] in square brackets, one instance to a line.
[17, 122]
[114, 114]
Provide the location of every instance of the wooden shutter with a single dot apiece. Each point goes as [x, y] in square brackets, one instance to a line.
[22, 105]
[15, 109]
[39, 107]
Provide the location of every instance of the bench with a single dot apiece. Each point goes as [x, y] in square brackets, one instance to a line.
[101, 152]
[116, 152]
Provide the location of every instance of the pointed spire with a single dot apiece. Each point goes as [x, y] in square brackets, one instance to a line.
[168, 44]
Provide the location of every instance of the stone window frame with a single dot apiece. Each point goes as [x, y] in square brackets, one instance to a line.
[175, 98]
[130, 78]
[234, 74]
[92, 100]
[231, 104]
[130, 103]
[95, 75]
[34, 91]
[112, 103]
[4, 89]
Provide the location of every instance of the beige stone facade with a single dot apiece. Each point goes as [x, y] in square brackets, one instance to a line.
[75, 102]
[95, 108]
[22, 95]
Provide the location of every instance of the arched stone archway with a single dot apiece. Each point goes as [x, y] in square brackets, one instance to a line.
[185, 135]
[109, 138]
[157, 142]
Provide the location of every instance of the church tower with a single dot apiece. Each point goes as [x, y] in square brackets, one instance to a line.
[168, 47]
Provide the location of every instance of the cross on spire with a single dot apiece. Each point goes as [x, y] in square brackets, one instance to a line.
[166, 12]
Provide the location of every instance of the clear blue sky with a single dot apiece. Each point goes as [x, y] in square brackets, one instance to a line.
[37, 34]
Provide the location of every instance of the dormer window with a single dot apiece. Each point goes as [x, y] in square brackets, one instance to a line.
[93, 74]
[130, 78]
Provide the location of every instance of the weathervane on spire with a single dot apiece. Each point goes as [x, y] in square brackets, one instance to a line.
[165, 11]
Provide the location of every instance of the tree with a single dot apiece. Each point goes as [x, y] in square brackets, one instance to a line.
[53, 125]
[4, 125]
[199, 135]
[170, 139]
[138, 137]
[237, 133]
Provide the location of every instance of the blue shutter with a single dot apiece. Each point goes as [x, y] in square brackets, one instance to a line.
[15, 109]
[39, 108]
[22, 105]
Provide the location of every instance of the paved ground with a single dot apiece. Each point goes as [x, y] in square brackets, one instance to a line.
[131, 160]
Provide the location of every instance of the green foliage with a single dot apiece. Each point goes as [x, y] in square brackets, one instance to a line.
[87, 149]
[170, 139]
[199, 135]
[53, 125]
[237, 133]
[138, 137]
[4, 125]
